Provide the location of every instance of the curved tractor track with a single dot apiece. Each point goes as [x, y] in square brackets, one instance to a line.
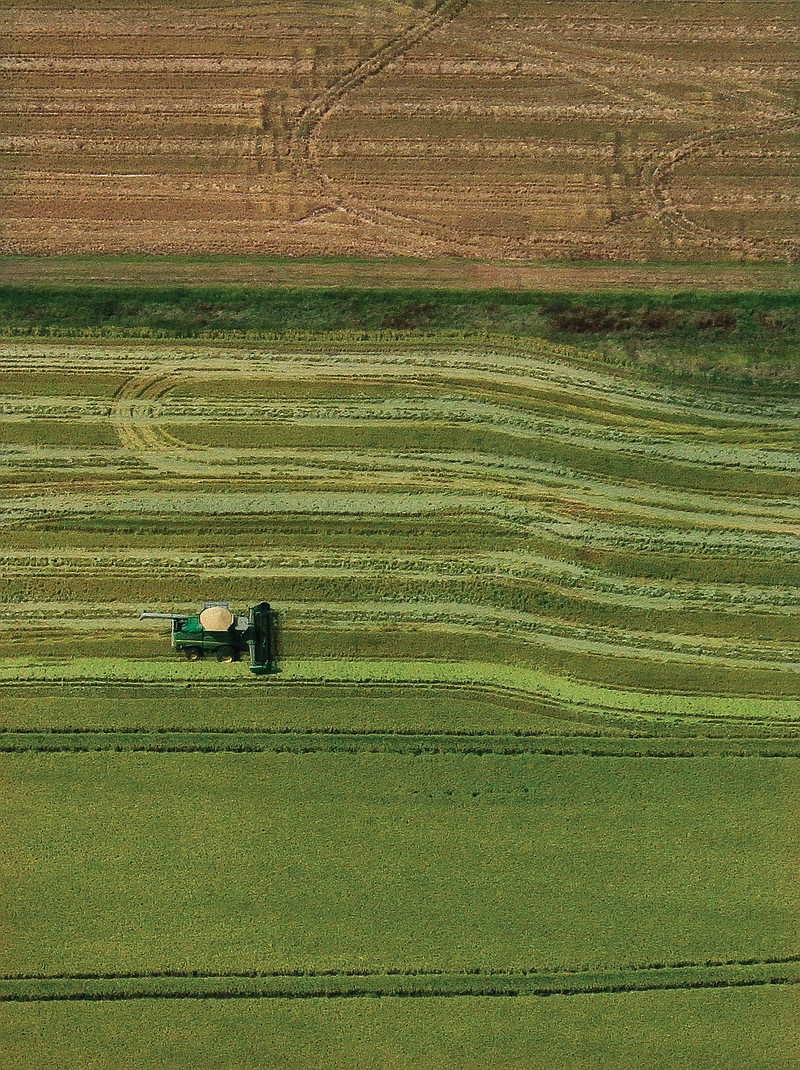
[518, 131]
[593, 69]
[301, 147]
[657, 175]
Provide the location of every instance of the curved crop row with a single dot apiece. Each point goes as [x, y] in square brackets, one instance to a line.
[405, 500]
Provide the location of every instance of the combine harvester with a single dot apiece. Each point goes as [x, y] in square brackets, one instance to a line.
[216, 631]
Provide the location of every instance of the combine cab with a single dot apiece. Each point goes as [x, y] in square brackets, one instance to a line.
[217, 632]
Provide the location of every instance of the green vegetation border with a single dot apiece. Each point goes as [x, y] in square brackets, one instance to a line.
[739, 338]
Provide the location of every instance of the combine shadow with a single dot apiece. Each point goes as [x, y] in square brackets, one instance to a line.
[265, 648]
[275, 640]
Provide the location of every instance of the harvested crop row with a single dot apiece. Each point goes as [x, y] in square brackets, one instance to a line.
[755, 643]
[549, 574]
[572, 476]
[532, 364]
[444, 413]
[447, 127]
[633, 706]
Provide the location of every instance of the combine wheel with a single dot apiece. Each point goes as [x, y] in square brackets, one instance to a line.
[192, 653]
[225, 653]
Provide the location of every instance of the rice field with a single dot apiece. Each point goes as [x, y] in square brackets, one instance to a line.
[510, 506]
[286, 884]
[487, 382]
[673, 1029]
[453, 128]
[364, 844]
[537, 689]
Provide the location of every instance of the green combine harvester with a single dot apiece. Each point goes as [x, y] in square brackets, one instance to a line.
[217, 632]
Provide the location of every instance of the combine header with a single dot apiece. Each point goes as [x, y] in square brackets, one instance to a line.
[216, 631]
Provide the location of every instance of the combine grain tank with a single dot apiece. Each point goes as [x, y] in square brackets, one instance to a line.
[218, 632]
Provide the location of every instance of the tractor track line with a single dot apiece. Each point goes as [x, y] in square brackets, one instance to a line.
[396, 983]
[656, 178]
[301, 146]
[253, 741]
[360, 971]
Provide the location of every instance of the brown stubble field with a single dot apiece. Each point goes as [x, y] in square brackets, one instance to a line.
[614, 130]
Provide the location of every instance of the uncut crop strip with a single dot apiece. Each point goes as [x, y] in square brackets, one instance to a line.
[399, 983]
[575, 464]
[584, 702]
[369, 699]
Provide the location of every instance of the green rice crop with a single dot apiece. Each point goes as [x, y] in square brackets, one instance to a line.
[674, 1029]
[273, 862]
[534, 729]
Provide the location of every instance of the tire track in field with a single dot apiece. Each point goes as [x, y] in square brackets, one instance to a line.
[359, 982]
[592, 66]
[301, 147]
[658, 172]
[133, 412]
[565, 737]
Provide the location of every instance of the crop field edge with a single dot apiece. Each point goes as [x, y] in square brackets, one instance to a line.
[458, 273]
[741, 338]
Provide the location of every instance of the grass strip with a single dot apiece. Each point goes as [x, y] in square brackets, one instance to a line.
[739, 337]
